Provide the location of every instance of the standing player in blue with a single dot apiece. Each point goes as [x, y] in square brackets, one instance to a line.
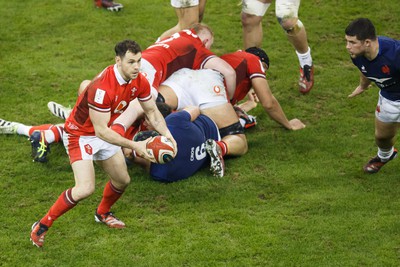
[378, 59]
[191, 131]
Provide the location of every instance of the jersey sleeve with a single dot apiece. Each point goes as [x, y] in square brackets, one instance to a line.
[99, 99]
[255, 68]
[145, 91]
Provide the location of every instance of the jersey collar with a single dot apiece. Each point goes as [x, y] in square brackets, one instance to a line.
[118, 75]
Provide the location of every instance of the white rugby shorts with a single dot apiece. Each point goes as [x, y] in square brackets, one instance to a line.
[202, 88]
[88, 148]
[387, 110]
[283, 8]
[184, 3]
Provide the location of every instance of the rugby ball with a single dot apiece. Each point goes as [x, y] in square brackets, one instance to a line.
[161, 148]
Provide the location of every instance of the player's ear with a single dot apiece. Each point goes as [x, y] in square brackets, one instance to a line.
[118, 60]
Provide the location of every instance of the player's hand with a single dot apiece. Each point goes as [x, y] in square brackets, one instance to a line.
[357, 91]
[252, 96]
[128, 153]
[141, 151]
[171, 138]
[296, 124]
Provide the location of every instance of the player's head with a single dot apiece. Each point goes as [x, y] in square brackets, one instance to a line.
[261, 54]
[362, 29]
[205, 34]
[360, 35]
[128, 55]
[127, 45]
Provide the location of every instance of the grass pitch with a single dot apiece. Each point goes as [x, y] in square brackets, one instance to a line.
[296, 199]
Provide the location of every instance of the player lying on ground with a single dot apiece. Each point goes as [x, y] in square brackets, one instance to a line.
[195, 135]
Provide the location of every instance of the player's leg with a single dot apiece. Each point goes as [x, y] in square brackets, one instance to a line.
[387, 119]
[41, 137]
[287, 15]
[202, 7]
[187, 13]
[385, 134]
[169, 96]
[84, 186]
[110, 5]
[116, 169]
[251, 16]
[233, 135]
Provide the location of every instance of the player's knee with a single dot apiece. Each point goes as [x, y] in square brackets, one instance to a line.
[291, 26]
[250, 20]
[84, 191]
[242, 145]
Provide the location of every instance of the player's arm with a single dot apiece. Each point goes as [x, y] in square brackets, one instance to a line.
[364, 85]
[100, 123]
[156, 119]
[272, 106]
[229, 73]
[132, 113]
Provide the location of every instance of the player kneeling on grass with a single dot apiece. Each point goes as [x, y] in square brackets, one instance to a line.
[89, 138]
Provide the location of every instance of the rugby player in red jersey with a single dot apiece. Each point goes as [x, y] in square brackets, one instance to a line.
[89, 136]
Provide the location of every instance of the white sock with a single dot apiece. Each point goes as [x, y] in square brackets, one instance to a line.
[22, 129]
[305, 59]
[49, 136]
[385, 155]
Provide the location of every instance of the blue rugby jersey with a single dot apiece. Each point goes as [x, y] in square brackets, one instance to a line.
[190, 137]
[384, 70]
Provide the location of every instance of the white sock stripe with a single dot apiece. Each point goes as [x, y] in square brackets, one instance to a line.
[67, 193]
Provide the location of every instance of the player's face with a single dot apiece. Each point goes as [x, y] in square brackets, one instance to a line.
[354, 46]
[129, 65]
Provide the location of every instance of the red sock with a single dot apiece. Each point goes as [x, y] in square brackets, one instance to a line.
[40, 127]
[223, 146]
[110, 196]
[58, 132]
[63, 204]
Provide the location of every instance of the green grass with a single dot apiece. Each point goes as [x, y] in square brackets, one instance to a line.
[296, 199]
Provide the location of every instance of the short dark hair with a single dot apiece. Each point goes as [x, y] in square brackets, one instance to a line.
[127, 45]
[362, 29]
[262, 55]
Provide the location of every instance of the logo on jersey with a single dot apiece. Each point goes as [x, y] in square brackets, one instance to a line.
[380, 81]
[99, 96]
[363, 69]
[133, 91]
[198, 153]
[88, 149]
[121, 107]
[385, 69]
